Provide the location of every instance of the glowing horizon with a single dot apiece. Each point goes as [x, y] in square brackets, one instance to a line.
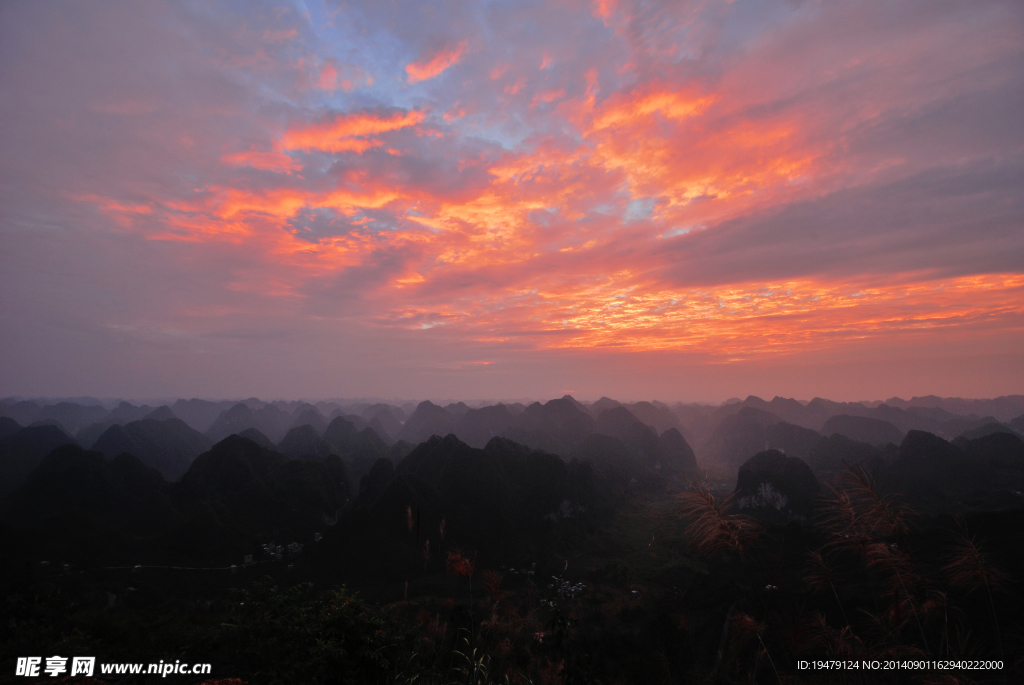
[440, 199]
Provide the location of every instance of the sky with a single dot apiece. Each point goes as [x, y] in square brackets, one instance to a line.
[646, 200]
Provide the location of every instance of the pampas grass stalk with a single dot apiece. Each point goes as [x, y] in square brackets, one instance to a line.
[711, 527]
[820, 572]
[971, 568]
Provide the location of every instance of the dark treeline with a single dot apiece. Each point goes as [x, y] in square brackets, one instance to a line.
[562, 541]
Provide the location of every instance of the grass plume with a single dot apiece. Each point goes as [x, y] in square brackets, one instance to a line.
[971, 569]
[711, 526]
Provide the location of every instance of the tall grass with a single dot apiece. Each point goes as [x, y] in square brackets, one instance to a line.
[971, 569]
[711, 526]
[818, 574]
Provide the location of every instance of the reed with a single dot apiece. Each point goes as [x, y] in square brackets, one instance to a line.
[819, 574]
[971, 569]
[712, 528]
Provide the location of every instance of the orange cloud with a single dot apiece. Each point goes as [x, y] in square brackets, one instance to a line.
[328, 76]
[266, 161]
[280, 35]
[456, 112]
[347, 132]
[671, 105]
[548, 96]
[281, 203]
[554, 241]
[604, 8]
[730, 323]
[429, 68]
[346, 77]
[108, 204]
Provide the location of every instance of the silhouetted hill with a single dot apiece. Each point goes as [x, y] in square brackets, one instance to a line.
[377, 427]
[21, 452]
[125, 412]
[428, 419]
[259, 438]
[229, 467]
[168, 446]
[389, 418]
[1017, 424]
[934, 473]
[515, 408]
[23, 411]
[71, 415]
[8, 426]
[695, 420]
[376, 480]
[819, 410]
[676, 458]
[775, 483]
[1001, 455]
[358, 421]
[750, 431]
[305, 442]
[702, 420]
[359, 449]
[622, 466]
[738, 437]
[576, 403]
[1002, 408]
[559, 426]
[787, 409]
[272, 421]
[998, 450]
[658, 418]
[88, 436]
[162, 413]
[610, 458]
[603, 404]
[478, 426]
[933, 420]
[231, 422]
[456, 409]
[620, 423]
[399, 451]
[342, 480]
[987, 429]
[238, 495]
[652, 466]
[49, 422]
[311, 417]
[830, 457]
[863, 429]
[83, 506]
[493, 501]
[199, 414]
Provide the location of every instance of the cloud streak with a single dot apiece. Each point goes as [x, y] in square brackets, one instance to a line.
[428, 68]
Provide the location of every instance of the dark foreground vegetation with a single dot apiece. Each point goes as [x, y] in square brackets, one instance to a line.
[554, 543]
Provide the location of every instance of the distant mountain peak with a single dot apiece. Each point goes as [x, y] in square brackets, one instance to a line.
[161, 413]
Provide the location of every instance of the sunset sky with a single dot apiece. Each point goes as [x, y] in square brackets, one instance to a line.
[646, 200]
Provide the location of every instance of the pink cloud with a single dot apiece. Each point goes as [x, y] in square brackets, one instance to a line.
[265, 160]
[333, 76]
[348, 132]
[429, 67]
